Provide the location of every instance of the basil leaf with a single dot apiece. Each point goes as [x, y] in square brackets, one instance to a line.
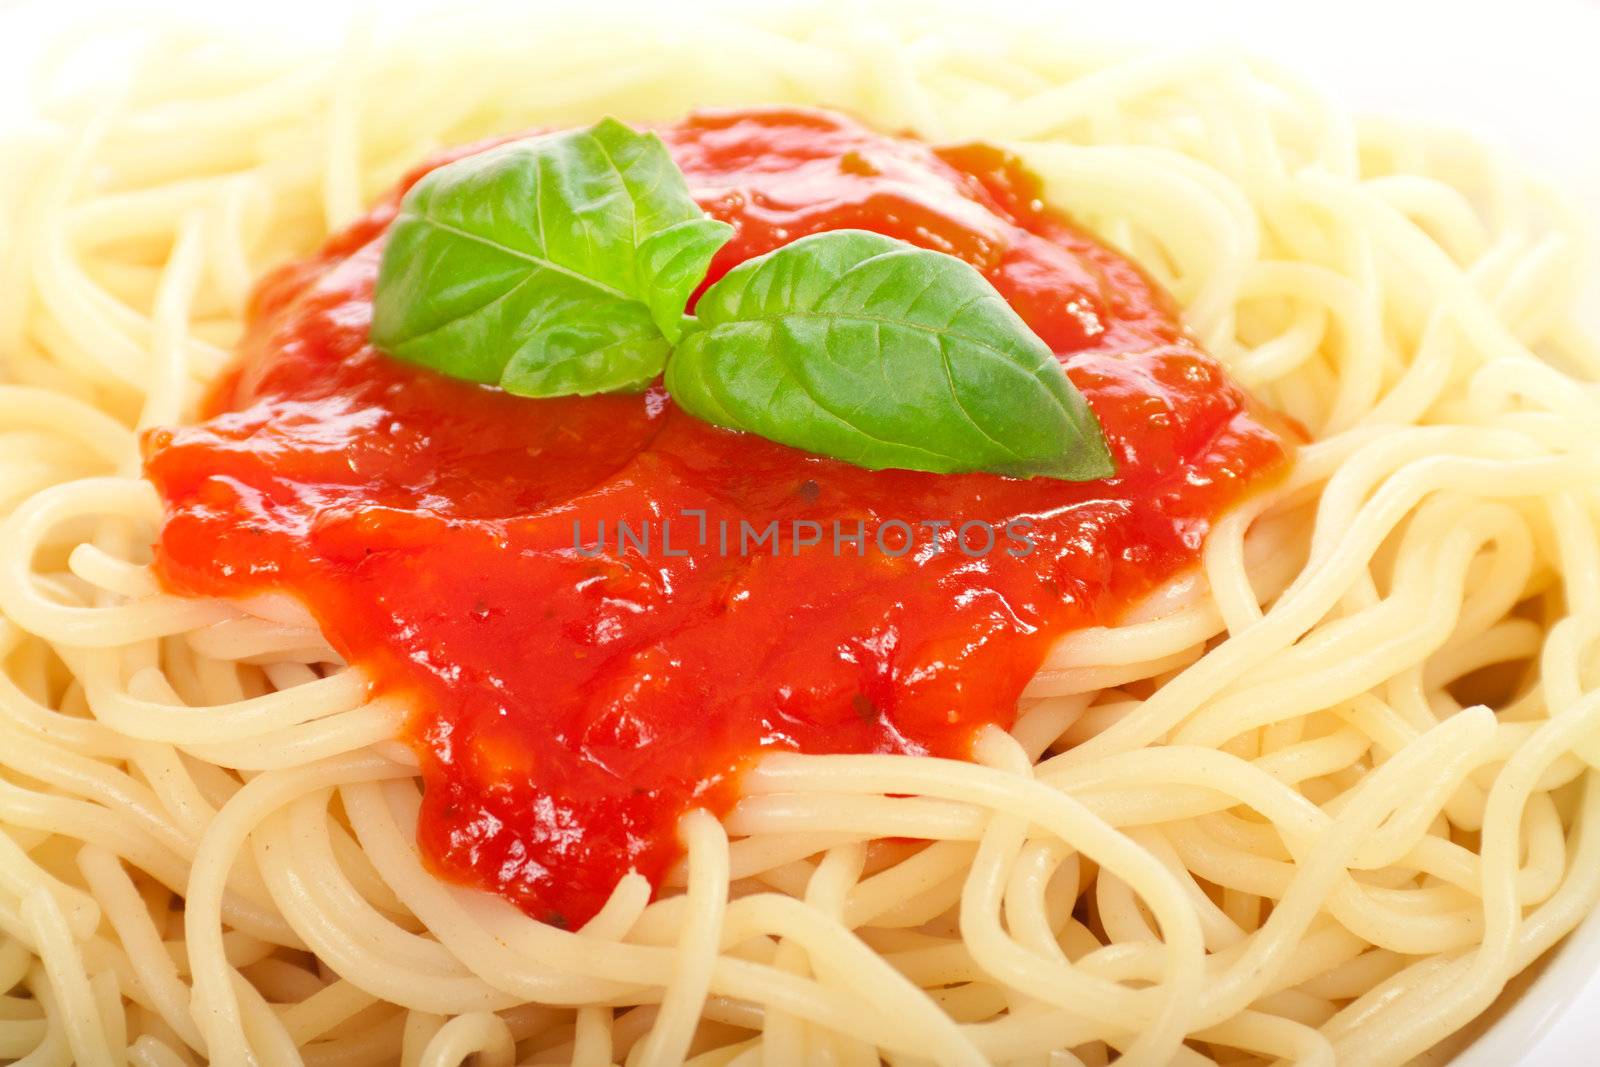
[881, 354]
[551, 266]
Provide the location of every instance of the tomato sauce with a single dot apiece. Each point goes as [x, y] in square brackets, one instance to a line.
[572, 699]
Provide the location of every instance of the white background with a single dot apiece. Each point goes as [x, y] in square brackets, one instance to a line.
[1525, 72]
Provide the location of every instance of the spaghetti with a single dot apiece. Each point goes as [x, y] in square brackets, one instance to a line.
[1318, 800]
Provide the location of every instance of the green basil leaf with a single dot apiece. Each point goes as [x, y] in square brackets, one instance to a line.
[881, 354]
[551, 266]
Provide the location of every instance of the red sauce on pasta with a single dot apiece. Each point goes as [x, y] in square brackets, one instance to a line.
[569, 705]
